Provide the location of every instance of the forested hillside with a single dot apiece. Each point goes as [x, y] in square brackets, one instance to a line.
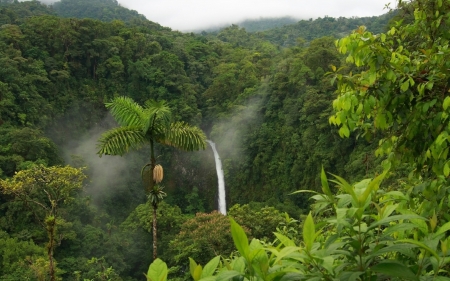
[265, 23]
[327, 26]
[104, 10]
[264, 98]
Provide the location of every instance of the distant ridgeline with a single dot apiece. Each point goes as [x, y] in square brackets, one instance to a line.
[14, 12]
[285, 31]
[309, 30]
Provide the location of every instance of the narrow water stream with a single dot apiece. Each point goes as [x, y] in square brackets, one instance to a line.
[220, 178]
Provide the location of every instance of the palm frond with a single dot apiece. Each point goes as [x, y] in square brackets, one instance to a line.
[157, 114]
[126, 112]
[120, 140]
[183, 136]
[156, 195]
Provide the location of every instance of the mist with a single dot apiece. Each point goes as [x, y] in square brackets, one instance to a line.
[197, 15]
[107, 174]
[228, 133]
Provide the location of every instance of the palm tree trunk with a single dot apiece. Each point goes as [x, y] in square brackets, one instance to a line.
[154, 232]
[152, 164]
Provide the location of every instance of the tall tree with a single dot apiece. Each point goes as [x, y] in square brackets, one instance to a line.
[402, 95]
[150, 124]
[45, 190]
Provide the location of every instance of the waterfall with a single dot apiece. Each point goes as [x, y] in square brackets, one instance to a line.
[221, 180]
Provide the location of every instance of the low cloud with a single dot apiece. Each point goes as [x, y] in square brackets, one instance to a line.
[200, 14]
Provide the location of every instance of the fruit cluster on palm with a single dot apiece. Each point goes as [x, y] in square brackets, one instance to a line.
[148, 125]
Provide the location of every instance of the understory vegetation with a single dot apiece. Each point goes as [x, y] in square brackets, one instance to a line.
[334, 145]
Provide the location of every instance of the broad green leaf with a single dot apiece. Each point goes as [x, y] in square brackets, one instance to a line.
[309, 232]
[210, 267]
[401, 227]
[441, 278]
[433, 221]
[227, 275]
[405, 86]
[387, 210]
[400, 248]
[292, 276]
[421, 245]
[344, 131]
[446, 169]
[192, 266]
[350, 275]
[285, 252]
[197, 273]
[443, 229]
[157, 271]
[239, 264]
[395, 218]
[373, 186]
[446, 103]
[260, 261]
[240, 238]
[347, 187]
[209, 278]
[325, 186]
[395, 269]
[284, 240]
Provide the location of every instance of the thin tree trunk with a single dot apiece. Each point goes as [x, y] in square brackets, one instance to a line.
[50, 246]
[155, 206]
[154, 233]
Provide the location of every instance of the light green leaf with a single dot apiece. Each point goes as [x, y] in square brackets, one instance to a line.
[309, 232]
[405, 86]
[372, 186]
[344, 131]
[325, 186]
[210, 267]
[157, 271]
[209, 278]
[227, 275]
[285, 252]
[197, 273]
[446, 103]
[443, 229]
[284, 240]
[239, 264]
[446, 169]
[240, 238]
[192, 266]
[395, 218]
[346, 186]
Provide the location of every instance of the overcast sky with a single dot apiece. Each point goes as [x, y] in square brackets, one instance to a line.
[188, 15]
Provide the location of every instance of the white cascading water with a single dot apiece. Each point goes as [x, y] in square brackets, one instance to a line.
[221, 180]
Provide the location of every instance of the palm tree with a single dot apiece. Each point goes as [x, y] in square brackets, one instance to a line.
[150, 124]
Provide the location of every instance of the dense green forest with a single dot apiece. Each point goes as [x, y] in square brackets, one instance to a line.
[289, 109]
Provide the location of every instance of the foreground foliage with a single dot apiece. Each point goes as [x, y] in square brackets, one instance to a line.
[369, 230]
[365, 232]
